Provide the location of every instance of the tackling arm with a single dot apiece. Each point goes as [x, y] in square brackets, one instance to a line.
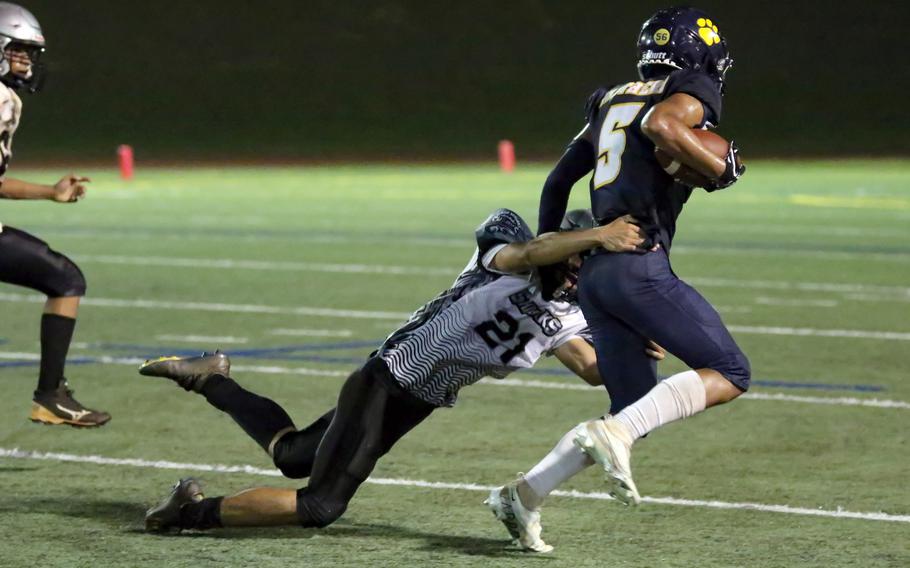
[579, 357]
[622, 235]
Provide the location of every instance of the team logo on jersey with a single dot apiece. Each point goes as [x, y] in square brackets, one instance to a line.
[524, 301]
[662, 36]
[707, 31]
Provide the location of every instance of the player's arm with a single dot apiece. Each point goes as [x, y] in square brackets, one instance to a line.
[669, 125]
[69, 189]
[579, 357]
[622, 235]
[576, 162]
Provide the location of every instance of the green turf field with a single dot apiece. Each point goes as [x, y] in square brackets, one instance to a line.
[808, 262]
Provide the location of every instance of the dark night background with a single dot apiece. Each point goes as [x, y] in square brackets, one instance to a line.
[409, 80]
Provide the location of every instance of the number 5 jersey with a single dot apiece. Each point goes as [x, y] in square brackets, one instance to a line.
[487, 324]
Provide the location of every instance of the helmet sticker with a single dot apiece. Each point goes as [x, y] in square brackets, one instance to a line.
[662, 36]
[707, 31]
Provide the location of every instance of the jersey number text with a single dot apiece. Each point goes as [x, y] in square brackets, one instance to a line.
[504, 329]
[613, 141]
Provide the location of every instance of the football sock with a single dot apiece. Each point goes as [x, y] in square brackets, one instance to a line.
[563, 461]
[677, 397]
[56, 335]
[260, 418]
[205, 514]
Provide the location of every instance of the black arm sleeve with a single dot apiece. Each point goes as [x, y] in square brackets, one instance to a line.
[574, 165]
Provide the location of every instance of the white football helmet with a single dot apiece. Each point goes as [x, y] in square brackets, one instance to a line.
[19, 28]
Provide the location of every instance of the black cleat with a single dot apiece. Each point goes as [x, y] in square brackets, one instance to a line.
[165, 517]
[188, 372]
[59, 407]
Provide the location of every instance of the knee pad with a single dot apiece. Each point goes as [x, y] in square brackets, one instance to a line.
[72, 281]
[316, 511]
[33, 264]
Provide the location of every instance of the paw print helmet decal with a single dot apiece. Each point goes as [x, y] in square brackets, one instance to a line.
[682, 38]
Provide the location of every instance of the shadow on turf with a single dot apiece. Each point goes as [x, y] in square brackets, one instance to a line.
[468, 545]
[128, 517]
[118, 514]
[16, 469]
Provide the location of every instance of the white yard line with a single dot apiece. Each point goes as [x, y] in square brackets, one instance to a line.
[796, 303]
[811, 332]
[834, 287]
[275, 370]
[401, 316]
[520, 383]
[203, 339]
[858, 292]
[839, 256]
[263, 265]
[840, 400]
[218, 307]
[15, 453]
[312, 332]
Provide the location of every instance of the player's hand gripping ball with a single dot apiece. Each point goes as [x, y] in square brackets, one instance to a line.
[718, 146]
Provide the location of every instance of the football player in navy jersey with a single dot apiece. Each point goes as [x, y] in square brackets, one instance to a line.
[683, 62]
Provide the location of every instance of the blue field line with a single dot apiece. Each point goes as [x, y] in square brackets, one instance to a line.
[152, 351]
[76, 361]
[310, 353]
[755, 382]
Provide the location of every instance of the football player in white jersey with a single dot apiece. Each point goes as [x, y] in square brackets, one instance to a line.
[28, 261]
[492, 321]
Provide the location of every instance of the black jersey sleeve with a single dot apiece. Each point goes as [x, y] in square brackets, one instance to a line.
[575, 163]
[593, 104]
[503, 226]
[702, 87]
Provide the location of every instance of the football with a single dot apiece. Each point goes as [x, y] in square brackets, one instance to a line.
[683, 173]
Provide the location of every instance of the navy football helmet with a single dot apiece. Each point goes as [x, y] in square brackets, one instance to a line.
[682, 38]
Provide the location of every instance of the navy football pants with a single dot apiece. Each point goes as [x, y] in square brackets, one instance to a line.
[629, 298]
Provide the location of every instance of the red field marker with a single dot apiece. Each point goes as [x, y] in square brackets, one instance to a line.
[506, 156]
[125, 157]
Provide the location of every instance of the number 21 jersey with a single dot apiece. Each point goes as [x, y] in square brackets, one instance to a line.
[487, 325]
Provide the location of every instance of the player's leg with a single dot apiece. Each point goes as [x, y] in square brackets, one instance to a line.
[644, 292]
[517, 504]
[264, 420]
[29, 262]
[372, 415]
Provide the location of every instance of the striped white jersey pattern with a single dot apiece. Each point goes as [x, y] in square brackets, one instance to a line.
[497, 327]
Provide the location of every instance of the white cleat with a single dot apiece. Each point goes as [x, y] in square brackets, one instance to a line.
[607, 443]
[523, 525]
